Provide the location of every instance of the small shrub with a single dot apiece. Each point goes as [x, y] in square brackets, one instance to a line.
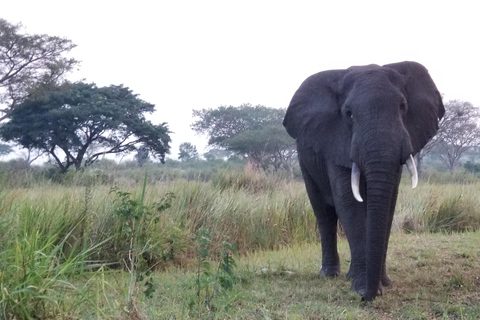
[211, 283]
[137, 219]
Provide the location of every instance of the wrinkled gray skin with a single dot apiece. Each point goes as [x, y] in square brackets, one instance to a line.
[373, 116]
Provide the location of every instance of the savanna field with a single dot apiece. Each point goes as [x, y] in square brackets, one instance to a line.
[238, 245]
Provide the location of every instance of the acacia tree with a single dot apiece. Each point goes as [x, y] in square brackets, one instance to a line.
[458, 132]
[30, 155]
[252, 131]
[71, 119]
[187, 152]
[29, 64]
[267, 147]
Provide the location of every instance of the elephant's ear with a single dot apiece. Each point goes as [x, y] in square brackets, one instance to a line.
[314, 117]
[425, 106]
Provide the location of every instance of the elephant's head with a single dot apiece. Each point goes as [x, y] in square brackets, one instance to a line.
[372, 119]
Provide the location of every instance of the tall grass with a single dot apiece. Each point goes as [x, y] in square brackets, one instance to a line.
[39, 258]
[252, 219]
[52, 234]
[438, 208]
[254, 210]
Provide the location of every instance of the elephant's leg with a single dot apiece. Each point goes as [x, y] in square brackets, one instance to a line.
[327, 225]
[385, 280]
[354, 223]
[352, 215]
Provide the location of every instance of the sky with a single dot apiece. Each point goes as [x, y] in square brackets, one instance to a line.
[185, 55]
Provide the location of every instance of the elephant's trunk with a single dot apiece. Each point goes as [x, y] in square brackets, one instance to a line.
[381, 170]
[379, 154]
[379, 191]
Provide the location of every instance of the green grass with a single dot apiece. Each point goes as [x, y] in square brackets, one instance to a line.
[62, 253]
[438, 208]
[435, 277]
[37, 270]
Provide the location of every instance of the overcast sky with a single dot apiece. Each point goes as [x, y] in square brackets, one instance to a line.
[184, 55]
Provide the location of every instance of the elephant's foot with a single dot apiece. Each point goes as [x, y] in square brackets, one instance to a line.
[385, 280]
[359, 285]
[371, 298]
[330, 271]
[350, 273]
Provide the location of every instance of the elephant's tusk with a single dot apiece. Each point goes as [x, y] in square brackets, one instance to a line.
[356, 182]
[412, 168]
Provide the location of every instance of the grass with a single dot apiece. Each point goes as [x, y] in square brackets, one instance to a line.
[37, 271]
[62, 252]
[435, 277]
[438, 208]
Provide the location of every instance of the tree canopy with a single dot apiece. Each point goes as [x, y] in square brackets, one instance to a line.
[29, 63]
[458, 132]
[252, 131]
[187, 152]
[223, 123]
[76, 123]
[266, 147]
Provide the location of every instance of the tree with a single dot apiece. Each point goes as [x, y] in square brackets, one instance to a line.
[142, 156]
[66, 122]
[215, 153]
[29, 64]
[252, 131]
[266, 147]
[5, 149]
[458, 132]
[31, 155]
[188, 152]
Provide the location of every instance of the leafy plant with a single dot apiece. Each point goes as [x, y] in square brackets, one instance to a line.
[137, 219]
[210, 283]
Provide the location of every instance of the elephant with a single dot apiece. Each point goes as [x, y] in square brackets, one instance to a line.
[354, 129]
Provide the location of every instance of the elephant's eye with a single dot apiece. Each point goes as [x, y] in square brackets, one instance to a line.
[347, 112]
[403, 106]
